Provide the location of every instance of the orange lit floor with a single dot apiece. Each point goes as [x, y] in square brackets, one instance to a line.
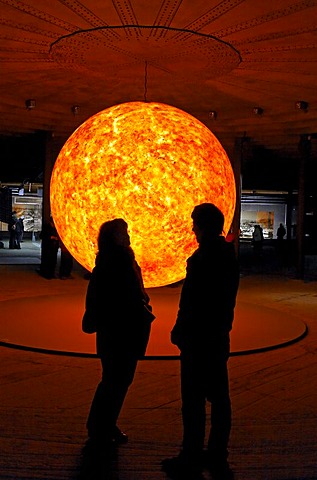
[44, 398]
[52, 323]
[46, 315]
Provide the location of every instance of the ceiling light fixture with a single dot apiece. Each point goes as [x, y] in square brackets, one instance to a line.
[258, 111]
[301, 105]
[30, 104]
[213, 115]
[75, 109]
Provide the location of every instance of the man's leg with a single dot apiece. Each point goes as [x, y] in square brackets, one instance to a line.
[220, 423]
[193, 406]
[217, 453]
[188, 464]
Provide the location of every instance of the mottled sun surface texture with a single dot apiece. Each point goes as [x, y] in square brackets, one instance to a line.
[150, 164]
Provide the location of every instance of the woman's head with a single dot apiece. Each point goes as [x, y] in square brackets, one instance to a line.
[113, 232]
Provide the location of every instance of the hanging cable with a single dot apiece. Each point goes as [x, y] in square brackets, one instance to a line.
[145, 81]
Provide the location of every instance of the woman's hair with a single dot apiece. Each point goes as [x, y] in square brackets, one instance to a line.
[108, 232]
[208, 218]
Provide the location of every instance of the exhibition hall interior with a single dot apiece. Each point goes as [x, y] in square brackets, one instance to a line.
[141, 110]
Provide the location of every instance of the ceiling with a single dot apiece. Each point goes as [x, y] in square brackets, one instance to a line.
[225, 56]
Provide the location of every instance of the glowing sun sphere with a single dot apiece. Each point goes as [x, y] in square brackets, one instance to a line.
[150, 164]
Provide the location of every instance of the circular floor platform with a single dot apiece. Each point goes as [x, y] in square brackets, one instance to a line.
[52, 324]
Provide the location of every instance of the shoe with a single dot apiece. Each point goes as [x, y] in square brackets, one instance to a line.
[222, 472]
[182, 467]
[119, 437]
[99, 442]
[47, 277]
[219, 469]
[97, 446]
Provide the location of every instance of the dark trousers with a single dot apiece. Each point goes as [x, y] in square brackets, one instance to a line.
[13, 240]
[66, 264]
[117, 376]
[204, 376]
[48, 259]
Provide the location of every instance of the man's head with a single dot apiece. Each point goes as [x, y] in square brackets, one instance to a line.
[207, 218]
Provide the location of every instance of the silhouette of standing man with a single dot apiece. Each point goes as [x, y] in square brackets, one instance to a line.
[201, 332]
[257, 239]
[12, 227]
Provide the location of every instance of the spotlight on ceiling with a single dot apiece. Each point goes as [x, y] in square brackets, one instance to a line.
[301, 105]
[257, 111]
[30, 104]
[75, 109]
[212, 114]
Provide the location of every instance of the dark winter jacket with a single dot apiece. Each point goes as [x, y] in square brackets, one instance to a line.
[208, 296]
[116, 297]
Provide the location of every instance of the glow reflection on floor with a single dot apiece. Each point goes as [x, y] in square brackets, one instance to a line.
[52, 323]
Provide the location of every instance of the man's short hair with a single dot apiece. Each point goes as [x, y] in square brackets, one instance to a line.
[208, 217]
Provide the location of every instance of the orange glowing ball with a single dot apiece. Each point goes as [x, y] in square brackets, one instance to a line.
[150, 164]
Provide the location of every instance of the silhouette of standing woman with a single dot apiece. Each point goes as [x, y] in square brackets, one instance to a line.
[116, 302]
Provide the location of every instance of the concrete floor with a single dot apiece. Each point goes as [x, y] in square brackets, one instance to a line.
[44, 399]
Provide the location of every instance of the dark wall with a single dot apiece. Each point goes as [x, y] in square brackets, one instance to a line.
[262, 170]
[22, 158]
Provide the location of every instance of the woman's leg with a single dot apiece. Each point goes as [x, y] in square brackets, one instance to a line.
[117, 376]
